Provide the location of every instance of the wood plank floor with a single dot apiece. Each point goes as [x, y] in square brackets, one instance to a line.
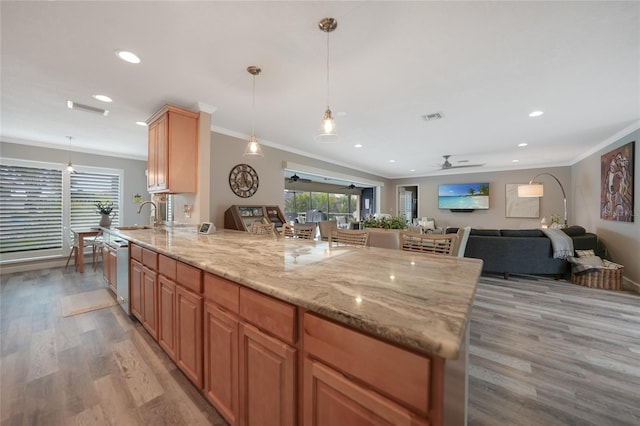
[97, 368]
[547, 352]
[542, 352]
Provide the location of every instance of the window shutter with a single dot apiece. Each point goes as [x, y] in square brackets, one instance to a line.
[30, 208]
[86, 189]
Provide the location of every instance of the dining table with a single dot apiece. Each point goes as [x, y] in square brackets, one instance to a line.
[80, 235]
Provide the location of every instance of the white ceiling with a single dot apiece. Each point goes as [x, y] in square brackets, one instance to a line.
[484, 65]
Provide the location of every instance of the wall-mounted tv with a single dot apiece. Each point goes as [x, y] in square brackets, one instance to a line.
[463, 196]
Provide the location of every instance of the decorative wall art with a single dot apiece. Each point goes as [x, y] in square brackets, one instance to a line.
[520, 206]
[616, 174]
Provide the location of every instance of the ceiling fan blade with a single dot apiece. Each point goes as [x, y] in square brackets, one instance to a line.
[465, 165]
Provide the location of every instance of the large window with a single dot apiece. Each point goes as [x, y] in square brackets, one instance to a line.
[39, 201]
[298, 205]
[88, 187]
[30, 208]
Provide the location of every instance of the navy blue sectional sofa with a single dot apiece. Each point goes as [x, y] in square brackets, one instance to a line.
[523, 251]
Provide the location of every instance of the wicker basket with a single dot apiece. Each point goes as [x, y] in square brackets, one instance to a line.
[607, 279]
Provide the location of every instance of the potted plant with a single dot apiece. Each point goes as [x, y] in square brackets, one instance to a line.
[393, 222]
[105, 210]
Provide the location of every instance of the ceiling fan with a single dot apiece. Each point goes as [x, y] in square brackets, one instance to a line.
[296, 178]
[350, 187]
[447, 165]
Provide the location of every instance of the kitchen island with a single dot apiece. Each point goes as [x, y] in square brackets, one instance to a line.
[365, 334]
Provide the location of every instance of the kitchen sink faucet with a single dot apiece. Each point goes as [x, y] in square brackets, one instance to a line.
[153, 218]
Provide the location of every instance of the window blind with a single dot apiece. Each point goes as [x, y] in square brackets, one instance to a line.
[86, 188]
[30, 208]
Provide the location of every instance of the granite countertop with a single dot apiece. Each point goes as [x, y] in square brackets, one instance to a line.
[416, 300]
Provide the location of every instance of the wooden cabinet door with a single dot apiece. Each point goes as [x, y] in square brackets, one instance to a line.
[135, 288]
[221, 361]
[162, 153]
[332, 399]
[167, 315]
[149, 301]
[189, 334]
[152, 156]
[267, 380]
[112, 265]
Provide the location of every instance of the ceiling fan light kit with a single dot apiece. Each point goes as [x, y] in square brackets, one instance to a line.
[328, 129]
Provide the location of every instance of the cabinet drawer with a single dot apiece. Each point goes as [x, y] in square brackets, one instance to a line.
[189, 277]
[396, 373]
[223, 292]
[136, 252]
[167, 266]
[269, 314]
[150, 259]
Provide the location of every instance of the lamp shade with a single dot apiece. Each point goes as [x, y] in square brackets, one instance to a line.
[531, 190]
[253, 148]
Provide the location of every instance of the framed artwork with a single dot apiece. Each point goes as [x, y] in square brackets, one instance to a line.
[616, 190]
[520, 206]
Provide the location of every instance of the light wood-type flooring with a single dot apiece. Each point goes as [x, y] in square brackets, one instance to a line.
[542, 352]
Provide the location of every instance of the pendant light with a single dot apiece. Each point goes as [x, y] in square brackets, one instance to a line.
[253, 147]
[328, 129]
[69, 165]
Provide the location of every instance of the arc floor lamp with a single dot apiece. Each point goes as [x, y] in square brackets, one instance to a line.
[534, 189]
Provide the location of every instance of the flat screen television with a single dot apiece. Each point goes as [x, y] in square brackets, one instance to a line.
[463, 196]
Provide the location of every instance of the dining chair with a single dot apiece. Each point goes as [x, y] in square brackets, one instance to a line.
[326, 227]
[348, 237]
[302, 232]
[262, 228]
[428, 243]
[72, 238]
[96, 244]
[461, 241]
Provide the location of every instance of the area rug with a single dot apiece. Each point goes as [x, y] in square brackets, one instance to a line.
[87, 302]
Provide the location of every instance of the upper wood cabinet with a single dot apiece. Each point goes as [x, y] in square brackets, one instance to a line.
[173, 150]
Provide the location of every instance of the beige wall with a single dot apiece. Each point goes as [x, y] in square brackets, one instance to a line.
[621, 238]
[495, 216]
[226, 152]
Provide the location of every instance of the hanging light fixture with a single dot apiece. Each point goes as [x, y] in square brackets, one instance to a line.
[328, 129]
[69, 165]
[253, 147]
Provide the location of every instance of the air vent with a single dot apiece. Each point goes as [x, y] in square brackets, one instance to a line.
[87, 108]
[434, 116]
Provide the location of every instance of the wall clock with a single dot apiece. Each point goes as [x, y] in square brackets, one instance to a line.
[243, 180]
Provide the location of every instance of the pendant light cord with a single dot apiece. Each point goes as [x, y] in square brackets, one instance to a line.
[327, 69]
[253, 120]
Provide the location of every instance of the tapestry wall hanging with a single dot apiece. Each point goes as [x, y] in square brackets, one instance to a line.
[616, 174]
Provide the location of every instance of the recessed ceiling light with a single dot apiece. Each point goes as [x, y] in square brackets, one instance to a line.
[141, 123]
[412, 170]
[130, 57]
[103, 98]
[536, 113]
[515, 161]
[392, 161]
[523, 144]
[358, 145]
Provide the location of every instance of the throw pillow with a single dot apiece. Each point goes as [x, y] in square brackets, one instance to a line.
[585, 253]
[430, 225]
[486, 232]
[590, 260]
[521, 233]
[574, 231]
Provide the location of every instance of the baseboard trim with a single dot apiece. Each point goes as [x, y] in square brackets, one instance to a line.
[34, 265]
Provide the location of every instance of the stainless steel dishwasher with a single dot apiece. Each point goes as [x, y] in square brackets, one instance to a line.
[122, 271]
